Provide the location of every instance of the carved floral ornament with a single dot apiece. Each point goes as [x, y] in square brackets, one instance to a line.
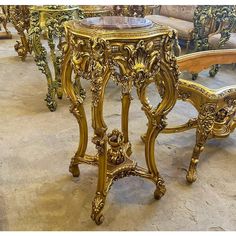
[130, 63]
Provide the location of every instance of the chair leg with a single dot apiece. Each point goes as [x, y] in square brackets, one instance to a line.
[177, 48]
[194, 76]
[192, 170]
[206, 120]
[187, 45]
[213, 71]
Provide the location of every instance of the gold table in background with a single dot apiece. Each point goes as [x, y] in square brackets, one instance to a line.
[135, 53]
[48, 20]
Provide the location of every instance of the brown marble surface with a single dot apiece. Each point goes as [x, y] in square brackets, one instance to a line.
[116, 22]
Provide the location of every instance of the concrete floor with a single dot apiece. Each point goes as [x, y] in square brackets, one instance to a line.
[38, 193]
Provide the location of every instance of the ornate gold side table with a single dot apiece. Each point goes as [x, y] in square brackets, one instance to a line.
[49, 20]
[134, 52]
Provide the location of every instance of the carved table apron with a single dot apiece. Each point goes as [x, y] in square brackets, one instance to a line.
[134, 52]
[49, 20]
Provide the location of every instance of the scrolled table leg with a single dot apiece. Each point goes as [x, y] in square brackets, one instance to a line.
[40, 57]
[77, 96]
[164, 74]
[152, 132]
[100, 140]
[54, 31]
[155, 124]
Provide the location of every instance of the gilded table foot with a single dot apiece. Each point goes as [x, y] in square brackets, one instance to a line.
[160, 189]
[74, 168]
[97, 207]
[51, 103]
[21, 50]
[192, 171]
[59, 93]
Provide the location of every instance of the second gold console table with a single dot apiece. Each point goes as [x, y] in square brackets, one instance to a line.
[49, 20]
[135, 53]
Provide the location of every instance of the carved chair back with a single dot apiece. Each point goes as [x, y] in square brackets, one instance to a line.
[204, 25]
[225, 18]
[210, 20]
[133, 10]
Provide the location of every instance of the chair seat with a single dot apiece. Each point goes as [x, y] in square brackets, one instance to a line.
[214, 41]
[184, 28]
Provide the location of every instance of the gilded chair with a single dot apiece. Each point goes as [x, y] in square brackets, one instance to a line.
[215, 28]
[225, 36]
[133, 10]
[216, 107]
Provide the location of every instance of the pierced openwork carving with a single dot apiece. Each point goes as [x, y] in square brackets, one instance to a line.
[20, 18]
[133, 10]
[202, 27]
[116, 154]
[133, 59]
[210, 20]
[49, 20]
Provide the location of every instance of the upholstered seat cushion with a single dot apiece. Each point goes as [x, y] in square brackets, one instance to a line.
[183, 12]
[184, 28]
[215, 39]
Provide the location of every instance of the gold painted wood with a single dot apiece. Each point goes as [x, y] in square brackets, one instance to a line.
[4, 19]
[49, 20]
[134, 10]
[216, 107]
[20, 18]
[95, 10]
[132, 58]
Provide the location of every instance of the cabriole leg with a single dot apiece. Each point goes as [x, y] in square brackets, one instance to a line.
[204, 128]
[100, 140]
[150, 138]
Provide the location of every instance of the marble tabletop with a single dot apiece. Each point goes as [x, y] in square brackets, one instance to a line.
[116, 22]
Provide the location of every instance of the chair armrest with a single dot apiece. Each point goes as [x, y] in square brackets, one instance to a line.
[198, 61]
